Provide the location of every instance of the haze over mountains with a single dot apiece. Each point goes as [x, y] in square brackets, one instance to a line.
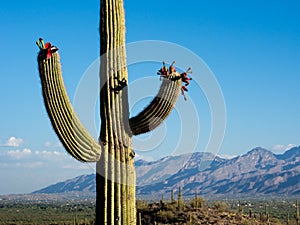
[258, 172]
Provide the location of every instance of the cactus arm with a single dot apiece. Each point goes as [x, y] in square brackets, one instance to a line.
[159, 108]
[74, 137]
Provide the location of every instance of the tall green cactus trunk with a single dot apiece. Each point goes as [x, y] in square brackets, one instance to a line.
[115, 179]
[113, 154]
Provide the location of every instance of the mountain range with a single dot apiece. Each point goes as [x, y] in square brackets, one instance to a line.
[258, 172]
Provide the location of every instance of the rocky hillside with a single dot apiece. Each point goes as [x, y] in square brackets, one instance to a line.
[258, 172]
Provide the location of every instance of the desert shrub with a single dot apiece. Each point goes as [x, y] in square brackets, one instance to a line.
[220, 206]
[172, 206]
[141, 205]
[165, 216]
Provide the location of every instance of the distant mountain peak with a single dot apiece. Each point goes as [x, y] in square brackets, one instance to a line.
[259, 150]
[291, 154]
[259, 171]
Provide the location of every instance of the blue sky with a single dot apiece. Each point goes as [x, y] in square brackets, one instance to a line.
[252, 47]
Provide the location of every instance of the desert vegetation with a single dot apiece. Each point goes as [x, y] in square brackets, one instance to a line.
[195, 210]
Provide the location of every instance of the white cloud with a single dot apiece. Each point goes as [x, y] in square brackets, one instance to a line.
[143, 157]
[289, 146]
[80, 166]
[13, 142]
[282, 148]
[57, 153]
[27, 151]
[48, 144]
[27, 159]
[49, 154]
[17, 154]
[25, 165]
[38, 164]
[36, 155]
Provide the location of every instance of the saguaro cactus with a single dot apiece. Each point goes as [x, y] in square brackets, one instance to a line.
[113, 154]
[297, 214]
[179, 200]
[172, 196]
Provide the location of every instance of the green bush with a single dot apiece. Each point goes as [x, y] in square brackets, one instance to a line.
[165, 216]
[220, 206]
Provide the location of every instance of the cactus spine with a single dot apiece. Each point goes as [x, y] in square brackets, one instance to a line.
[113, 154]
